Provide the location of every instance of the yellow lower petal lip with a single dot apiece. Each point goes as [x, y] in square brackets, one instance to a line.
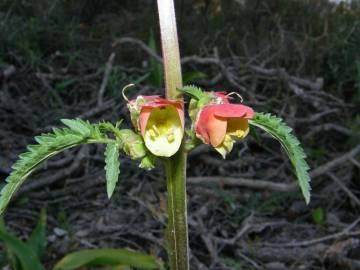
[237, 129]
[164, 132]
[226, 146]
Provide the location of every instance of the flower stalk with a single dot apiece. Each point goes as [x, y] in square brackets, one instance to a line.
[175, 167]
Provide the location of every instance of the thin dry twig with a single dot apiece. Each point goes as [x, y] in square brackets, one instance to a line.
[138, 42]
[108, 68]
[267, 185]
[344, 233]
[351, 195]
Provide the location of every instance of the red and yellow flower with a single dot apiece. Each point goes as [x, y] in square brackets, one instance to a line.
[222, 124]
[160, 122]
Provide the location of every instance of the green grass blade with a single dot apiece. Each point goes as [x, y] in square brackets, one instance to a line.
[280, 131]
[111, 257]
[37, 241]
[117, 267]
[25, 255]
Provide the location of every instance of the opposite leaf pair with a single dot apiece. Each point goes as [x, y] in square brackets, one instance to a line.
[160, 122]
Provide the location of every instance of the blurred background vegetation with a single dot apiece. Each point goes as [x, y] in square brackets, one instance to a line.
[297, 59]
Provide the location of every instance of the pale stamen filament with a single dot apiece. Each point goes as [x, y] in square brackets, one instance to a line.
[236, 94]
[124, 89]
[156, 130]
[152, 134]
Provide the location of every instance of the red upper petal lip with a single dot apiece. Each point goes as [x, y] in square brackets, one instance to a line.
[232, 110]
[152, 98]
[158, 102]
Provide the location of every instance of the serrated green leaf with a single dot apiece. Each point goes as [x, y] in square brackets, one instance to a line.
[25, 255]
[48, 145]
[29, 161]
[193, 91]
[107, 257]
[112, 167]
[78, 125]
[280, 131]
[37, 240]
[109, 127]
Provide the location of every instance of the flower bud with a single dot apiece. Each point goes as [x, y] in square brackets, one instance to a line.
[132, 144]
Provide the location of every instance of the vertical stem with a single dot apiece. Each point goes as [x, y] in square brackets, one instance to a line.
[170, 48]
[177, 235]
[175, 167]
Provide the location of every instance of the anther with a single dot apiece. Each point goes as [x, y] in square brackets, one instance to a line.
[170, 138]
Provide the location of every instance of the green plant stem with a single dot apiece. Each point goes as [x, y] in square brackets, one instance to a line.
[170, 48]
[177, 234]
[175, 167]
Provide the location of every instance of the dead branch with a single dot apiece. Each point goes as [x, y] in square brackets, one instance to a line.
[108, 68]
[267, 185]
[344, 233]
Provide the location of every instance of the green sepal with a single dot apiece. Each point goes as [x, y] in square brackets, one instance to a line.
[198, 101]
[130, 142]
[148, 162]
[196, 105]
[192, 141]
[134, 107]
